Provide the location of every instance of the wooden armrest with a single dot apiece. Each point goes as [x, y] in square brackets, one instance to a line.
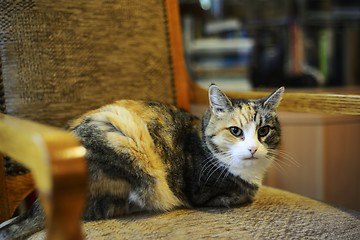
[57, 162]
[346, 104]
[11, 199]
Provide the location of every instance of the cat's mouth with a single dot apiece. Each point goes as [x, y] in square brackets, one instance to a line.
[250, 158]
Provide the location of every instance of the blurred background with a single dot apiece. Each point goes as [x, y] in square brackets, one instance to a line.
[263, 43]
[305, 45]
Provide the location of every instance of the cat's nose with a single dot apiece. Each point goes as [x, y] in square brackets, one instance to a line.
[253, 150]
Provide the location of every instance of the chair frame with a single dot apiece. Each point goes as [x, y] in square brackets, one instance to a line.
[47, 153]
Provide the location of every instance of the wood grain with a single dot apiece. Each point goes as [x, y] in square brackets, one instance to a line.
[181, 78]
[56, 160]
[18, 188]
[295, 102]
[4, 203]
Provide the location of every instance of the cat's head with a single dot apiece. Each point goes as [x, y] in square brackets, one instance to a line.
[243, 134]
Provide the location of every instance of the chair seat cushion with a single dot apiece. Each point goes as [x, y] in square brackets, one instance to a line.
[275, 214]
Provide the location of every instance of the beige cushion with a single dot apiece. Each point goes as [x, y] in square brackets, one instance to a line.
[275, 214]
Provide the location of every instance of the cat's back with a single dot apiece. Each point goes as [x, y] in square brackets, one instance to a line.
[138, 145]
[150, 112]
[117, 125]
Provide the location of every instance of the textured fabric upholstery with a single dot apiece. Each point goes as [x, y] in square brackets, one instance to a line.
[2, 94]
[275, 214]
[62, 58]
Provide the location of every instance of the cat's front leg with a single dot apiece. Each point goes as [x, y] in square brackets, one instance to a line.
[105, 207]
[209, 197]
[229, 200]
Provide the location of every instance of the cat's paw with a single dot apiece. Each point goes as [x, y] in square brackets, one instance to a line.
[229, 200]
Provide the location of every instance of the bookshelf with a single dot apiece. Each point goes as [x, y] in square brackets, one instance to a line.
[271, 43]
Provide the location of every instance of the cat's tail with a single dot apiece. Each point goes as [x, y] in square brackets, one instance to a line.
[23, 226]
[129, 125]
[127, 133]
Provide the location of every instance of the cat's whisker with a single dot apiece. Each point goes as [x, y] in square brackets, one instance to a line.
[207, 159]
[226, 175]
[287, 162]
[222, 172]
[276, 165]
[216, 167]
[225, 171]
[279, 166]
[212, 171]
[288, 157]
[204, 169]
[282, 160]
[232, 163]
[285, 157]
[208, 166]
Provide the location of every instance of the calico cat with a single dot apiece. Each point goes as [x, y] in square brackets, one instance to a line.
[150, 156]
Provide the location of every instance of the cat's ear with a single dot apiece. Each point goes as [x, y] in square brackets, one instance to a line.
[273, 100]
[219, 102]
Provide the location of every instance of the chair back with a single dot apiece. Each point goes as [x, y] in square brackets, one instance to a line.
[62, 58]
[59, 59]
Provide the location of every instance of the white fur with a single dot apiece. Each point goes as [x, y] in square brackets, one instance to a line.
[135, 198]
[242, 163]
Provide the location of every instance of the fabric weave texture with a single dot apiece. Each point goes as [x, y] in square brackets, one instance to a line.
[275, 214]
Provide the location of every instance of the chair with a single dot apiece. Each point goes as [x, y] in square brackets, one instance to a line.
[62, 59]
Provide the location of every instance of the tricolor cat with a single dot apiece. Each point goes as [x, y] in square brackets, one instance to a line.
[150, 156]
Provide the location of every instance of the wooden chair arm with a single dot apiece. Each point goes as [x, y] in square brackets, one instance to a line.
[11, 200]
[346, 104]
[57, 162]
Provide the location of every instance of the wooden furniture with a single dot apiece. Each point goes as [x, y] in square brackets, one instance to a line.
[330, 103]
[60, 59]
[56, 160]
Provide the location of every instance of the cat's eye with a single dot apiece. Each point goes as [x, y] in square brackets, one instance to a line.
[263, 131]
[237, 132]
